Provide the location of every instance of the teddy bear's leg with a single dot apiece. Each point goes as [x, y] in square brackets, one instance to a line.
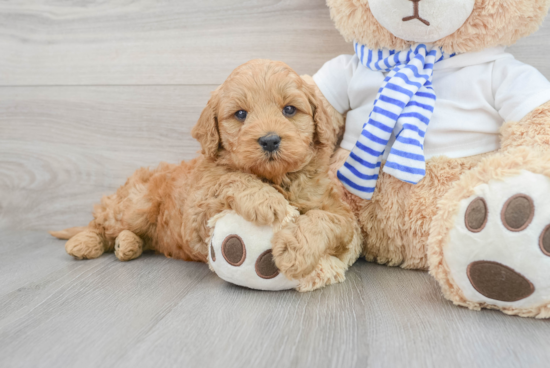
[128, 246]
[396, 222]
[240, 253]
[489, 245]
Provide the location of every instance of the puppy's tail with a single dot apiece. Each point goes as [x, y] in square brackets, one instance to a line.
[68, 233]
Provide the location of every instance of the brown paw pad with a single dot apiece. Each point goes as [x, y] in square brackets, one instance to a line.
[233, 250]
[499, 282]
[265, 265]
[476, 215]
[518, 212]
[545, 240]
[212, 253]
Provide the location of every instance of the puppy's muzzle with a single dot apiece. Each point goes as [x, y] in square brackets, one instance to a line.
[270, 143]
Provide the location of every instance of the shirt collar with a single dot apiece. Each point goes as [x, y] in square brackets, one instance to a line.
[473, 58]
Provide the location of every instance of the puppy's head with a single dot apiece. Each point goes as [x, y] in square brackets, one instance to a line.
[266, 120]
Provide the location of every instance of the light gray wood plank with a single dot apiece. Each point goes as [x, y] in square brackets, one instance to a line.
[158, 42]
[62, 148]
[160, 312]
[29, 256]
[93, 314]
[174, 41]
[379, 317]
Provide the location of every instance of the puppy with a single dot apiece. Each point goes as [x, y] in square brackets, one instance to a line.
[266, 143]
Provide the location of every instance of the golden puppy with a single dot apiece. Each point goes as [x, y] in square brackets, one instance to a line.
[266, 144]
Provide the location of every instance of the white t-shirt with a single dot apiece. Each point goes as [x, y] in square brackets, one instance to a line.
[476, 94]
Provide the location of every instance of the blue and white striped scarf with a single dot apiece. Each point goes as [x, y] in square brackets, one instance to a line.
[406, 99]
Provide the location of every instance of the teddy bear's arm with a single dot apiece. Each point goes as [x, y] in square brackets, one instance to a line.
[532, 131]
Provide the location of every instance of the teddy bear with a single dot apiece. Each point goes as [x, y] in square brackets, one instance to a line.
[445, 154]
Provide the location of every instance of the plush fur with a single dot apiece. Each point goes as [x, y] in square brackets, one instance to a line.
[167, 209]
[492, 23]
[397, 222]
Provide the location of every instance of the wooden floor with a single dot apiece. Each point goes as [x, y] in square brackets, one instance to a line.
[92, 90]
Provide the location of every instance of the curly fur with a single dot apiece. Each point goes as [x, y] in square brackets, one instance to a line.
[492, 23]
[167, 209]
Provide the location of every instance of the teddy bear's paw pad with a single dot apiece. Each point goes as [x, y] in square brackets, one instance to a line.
[240, 253]
[499, 248]
[545, 241]
[234, 250]
[499, 282]
[265, 266]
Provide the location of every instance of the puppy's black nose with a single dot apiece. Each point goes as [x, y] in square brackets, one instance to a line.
[270, 142]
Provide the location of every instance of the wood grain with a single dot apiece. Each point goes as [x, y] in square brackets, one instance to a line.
[158, 42]
[62, 148]
[129, 42]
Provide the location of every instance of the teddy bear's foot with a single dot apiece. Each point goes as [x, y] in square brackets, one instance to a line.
[128, 246]
[240, 253]
[495, 252]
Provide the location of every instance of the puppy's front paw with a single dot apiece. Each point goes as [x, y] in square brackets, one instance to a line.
[294, 257]
[270, 211]
[330, 270]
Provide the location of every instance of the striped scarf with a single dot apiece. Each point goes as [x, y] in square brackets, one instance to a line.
[406, 100]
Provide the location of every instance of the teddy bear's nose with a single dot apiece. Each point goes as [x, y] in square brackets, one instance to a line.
[270, 143]
[416, 14]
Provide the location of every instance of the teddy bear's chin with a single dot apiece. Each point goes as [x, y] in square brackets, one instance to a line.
[435, 19]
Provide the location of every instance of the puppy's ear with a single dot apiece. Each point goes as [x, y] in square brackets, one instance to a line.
[206, 129]
[326, 131]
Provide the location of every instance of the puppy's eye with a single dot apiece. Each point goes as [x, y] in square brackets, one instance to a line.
[241, 115]
[289, 111]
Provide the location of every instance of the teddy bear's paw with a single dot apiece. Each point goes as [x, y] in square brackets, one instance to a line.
[240, 253]
[498, 250]
[330, 270]
[85, 245]
[128, 246]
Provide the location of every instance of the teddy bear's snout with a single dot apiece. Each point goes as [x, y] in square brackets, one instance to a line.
[416, 15]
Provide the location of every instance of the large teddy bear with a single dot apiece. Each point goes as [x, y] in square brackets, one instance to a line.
[445, 155]
[445, 150]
